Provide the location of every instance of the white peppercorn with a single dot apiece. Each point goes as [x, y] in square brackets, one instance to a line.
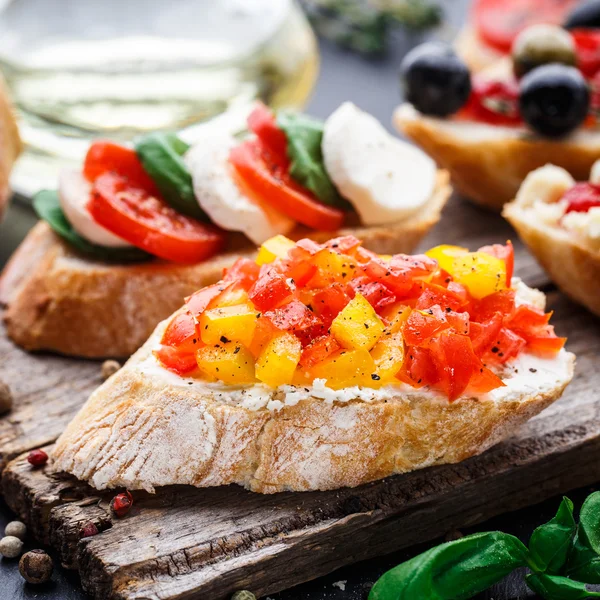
[11, 546]
[16, 529]
[109, 368]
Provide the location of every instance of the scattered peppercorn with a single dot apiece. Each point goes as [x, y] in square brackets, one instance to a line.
[109, 368]
[37, 458]
[36, 566]
[11, 546]
[88, 530]
[6, 399]
[243, 595]
[16, 529]
[121, 504]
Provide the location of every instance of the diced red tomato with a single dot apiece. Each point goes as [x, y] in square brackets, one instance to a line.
[498, 22]
[581, 197]
[263, 124]
[245, 271]
[418, 368]
[507, 345]
[148, 222]
[455, 362]
[502, 302]
[268, 178]
[422, 325]
[459, 321]
[318, 350]
[447, 298]
[293, 316]
[199, 301]
[493, 101]
[375, 292]
[270, 290]
[181, 333]
[503, 252]
[346, 244]
[173, 359]
[587, 45]
[330, 301]
[484, 381]
[108, 157]
[398, 281]
[483, 335]
[544, 341]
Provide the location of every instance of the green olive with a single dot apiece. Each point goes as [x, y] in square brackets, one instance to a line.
[542, 44]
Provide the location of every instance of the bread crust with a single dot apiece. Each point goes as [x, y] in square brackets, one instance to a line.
[10, 144]
[140, 431]
[572, 265]
[489, 166]
[474, 51]
[60, 301]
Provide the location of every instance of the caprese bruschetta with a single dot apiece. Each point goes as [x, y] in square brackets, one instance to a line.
[490, 129]
[319, 366]
[133, 232]
[493, 25]
[559, 220]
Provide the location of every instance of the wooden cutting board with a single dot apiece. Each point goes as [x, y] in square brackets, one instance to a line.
[184, 543]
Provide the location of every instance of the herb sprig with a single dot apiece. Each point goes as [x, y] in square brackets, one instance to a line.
[562, 558]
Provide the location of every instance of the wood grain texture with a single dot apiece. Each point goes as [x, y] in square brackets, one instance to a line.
[185, 543]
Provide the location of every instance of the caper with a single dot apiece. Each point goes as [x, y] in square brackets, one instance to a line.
[542, 44]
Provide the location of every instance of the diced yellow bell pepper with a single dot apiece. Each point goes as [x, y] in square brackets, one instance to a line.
[231, 363]
[233, 297]
[277, 363]
[334, 266]
[396, 314]
[445, 255]
[388, 355]
[481, 273]
[346, 368]
[358, 325]
[228, 323]
[276, 247]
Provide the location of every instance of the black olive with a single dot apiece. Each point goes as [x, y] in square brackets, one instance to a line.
[436, 81]
[554, 99]
[585, 14]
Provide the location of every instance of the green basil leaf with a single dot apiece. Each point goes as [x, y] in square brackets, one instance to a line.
[549, 544]
[304, 135]
[47, 206]
[553, 587]
[583, 563]
[161, 154]
[454, 571]
[589, 522]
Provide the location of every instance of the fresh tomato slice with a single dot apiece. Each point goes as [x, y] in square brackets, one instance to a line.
[498, 22]
[148, 222]
[503, 252]
[174, 360]
[108, 157]
[587, 45]
[263, 124]
[581, 197]
[268, 179]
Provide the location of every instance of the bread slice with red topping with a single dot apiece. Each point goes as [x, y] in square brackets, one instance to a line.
[434, 359]
[59, 300]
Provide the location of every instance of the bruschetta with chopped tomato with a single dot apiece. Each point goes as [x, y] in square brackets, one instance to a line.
[558, 218]
[490, 128]
[133, 232]
[319, 366]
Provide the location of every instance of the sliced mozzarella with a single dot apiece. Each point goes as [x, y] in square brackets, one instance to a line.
[220, 197]
[74, 193]
[384, 178]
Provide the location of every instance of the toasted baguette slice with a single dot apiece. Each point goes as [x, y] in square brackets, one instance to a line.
[488, 163]
[58, 300]
[572, 263]
[474, 51]
[146, 428]
[10, 144]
